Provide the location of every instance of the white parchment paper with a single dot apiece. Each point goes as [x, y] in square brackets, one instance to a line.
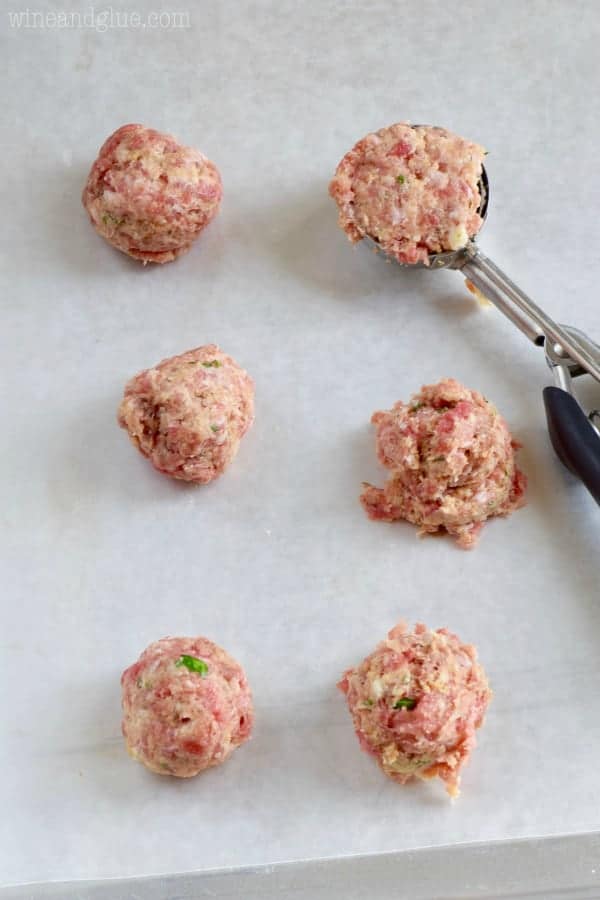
[276, 561]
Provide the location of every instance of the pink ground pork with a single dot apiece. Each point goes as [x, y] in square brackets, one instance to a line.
[149, 195]
[413, 189]
[189, 413]
[416, 702]
[186, 706]
[452, 463]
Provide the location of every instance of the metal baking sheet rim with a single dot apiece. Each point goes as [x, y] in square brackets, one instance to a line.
[554, 868]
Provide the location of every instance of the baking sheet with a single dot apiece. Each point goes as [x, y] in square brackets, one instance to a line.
[276, 561]
[560, 868]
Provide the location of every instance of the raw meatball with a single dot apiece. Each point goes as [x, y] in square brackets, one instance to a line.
[452, 461]
[416, 702]
[413, 189]
[150, 196]
[189, 413]
[186, 706]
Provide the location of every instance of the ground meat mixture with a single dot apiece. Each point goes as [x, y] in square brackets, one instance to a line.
[452, 463]
[189, 413]
[416, 703]
[413, 189]
[186, 706]
[150, 196]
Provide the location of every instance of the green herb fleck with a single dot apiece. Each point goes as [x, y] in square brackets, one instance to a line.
[485, 152]
[112, 220]
[214, 428]
[368, 702]
[416, 407]
[193, 664]
[439, 458]
[405, 703]
[213, 364]
[139, 683]
[400, 179]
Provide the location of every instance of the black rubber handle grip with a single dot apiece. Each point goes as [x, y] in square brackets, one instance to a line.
[574, 438]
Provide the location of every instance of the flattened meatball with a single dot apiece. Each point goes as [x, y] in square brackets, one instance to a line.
[452, 463]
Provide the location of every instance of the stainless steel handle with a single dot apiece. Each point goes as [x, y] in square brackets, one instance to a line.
[520, 309]
[502, 292]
